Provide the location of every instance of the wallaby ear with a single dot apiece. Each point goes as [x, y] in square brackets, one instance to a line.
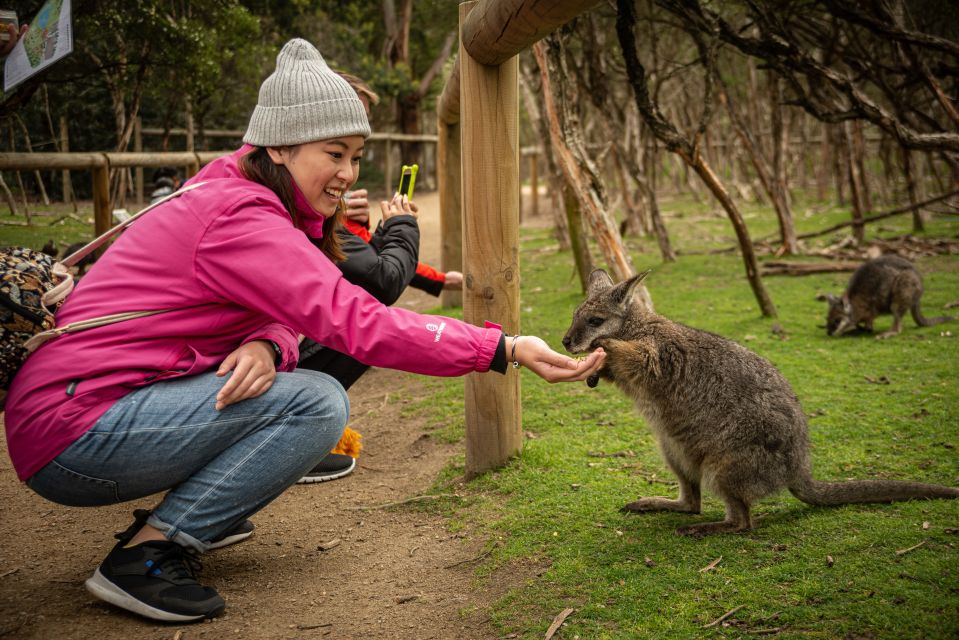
[624, 291]
[599, 281]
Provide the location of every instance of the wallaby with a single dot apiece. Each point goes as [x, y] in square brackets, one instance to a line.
[723, 417]
[885, 284]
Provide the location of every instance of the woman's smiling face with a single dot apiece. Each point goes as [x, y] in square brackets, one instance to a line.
[323, 170]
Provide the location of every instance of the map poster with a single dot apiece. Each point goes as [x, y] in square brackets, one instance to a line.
[49, 39]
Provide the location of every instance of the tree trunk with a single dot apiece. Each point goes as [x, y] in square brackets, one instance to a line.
[839, 153]
[674, 142]
[787, 230]
[859, 146]
[771, 180]
[855, 184]
[23, 192]
[554, 175]
[576, 163]
[917, 223]
[578, 241]
[659, 227]
[636, 216]
[825, 161]
[742, 235]
[8, 196]
[36, 172]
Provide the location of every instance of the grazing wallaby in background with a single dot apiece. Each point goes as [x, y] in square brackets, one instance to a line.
[723, 417]
[887, 284]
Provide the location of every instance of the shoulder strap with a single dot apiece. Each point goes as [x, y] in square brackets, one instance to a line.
[38, 339]
[80, 254]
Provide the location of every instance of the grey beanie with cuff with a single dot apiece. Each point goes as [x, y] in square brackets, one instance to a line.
[304, 101]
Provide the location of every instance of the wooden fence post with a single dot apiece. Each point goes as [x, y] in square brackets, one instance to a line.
[66, 184]
[102, 214]
[190, 133]
[489, 104]
[388, 169]
[450, 184]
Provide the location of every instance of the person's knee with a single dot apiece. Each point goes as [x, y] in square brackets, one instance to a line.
[319, 398]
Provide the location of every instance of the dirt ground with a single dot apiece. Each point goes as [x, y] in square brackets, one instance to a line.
[395, 573]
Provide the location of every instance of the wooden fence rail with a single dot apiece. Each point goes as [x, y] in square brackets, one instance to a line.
[100, 165]
[388, 137]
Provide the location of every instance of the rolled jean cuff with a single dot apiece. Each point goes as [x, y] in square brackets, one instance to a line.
[177, 535]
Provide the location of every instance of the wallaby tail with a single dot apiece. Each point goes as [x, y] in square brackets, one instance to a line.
[832, 493]
[927, 322]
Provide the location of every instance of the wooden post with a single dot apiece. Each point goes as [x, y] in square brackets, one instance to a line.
[138, 148]
[450, 185]
[189, 125]
[67, 185]
[102, 214]
[388, 173]
[489, 107]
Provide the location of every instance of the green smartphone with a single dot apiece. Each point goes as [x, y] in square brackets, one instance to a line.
[407, 180]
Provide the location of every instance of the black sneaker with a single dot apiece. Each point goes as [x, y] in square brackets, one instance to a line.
[333, 466]
[239, 533]
[155, 579]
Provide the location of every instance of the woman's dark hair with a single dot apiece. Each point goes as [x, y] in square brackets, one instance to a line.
[259, 167]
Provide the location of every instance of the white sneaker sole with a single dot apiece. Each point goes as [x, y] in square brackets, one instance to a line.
[102, 588]
[227, 541]
[331, 476]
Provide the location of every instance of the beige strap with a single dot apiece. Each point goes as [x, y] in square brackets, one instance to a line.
[61, 273]
[34, 343]
[64, 279]
[87, 249]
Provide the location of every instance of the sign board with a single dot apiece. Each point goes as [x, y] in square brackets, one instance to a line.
[50, 38]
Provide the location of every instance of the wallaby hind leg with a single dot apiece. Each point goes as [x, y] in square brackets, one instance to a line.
[689, 501]
[898, 311]
[737, 519]
[690, 495]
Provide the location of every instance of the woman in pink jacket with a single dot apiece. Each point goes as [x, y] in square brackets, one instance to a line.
[189, 401]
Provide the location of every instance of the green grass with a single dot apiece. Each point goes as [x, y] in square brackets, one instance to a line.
[557, 506]
[48, 223]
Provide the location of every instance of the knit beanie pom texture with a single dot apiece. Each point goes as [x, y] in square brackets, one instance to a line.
[304, 100]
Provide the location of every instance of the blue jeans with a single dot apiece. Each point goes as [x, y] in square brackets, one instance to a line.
[220, 467]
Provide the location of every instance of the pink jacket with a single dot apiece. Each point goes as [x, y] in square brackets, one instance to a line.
[229, 256]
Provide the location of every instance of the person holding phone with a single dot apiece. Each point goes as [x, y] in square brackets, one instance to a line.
[203, 401]
[384, 262]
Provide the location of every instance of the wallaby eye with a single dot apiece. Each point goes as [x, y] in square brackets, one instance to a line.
[596, 321]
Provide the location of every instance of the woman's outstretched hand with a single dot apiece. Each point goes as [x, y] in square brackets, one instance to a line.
[253, 373]
[534, 354]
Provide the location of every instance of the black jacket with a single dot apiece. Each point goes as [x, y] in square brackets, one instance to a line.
[384, 266]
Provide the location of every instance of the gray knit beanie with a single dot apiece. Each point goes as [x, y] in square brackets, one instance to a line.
[304, 101]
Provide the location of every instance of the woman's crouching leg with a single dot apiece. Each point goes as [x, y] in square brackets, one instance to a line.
[304, 412]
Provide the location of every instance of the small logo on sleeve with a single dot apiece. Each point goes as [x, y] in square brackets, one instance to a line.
[437, 330]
